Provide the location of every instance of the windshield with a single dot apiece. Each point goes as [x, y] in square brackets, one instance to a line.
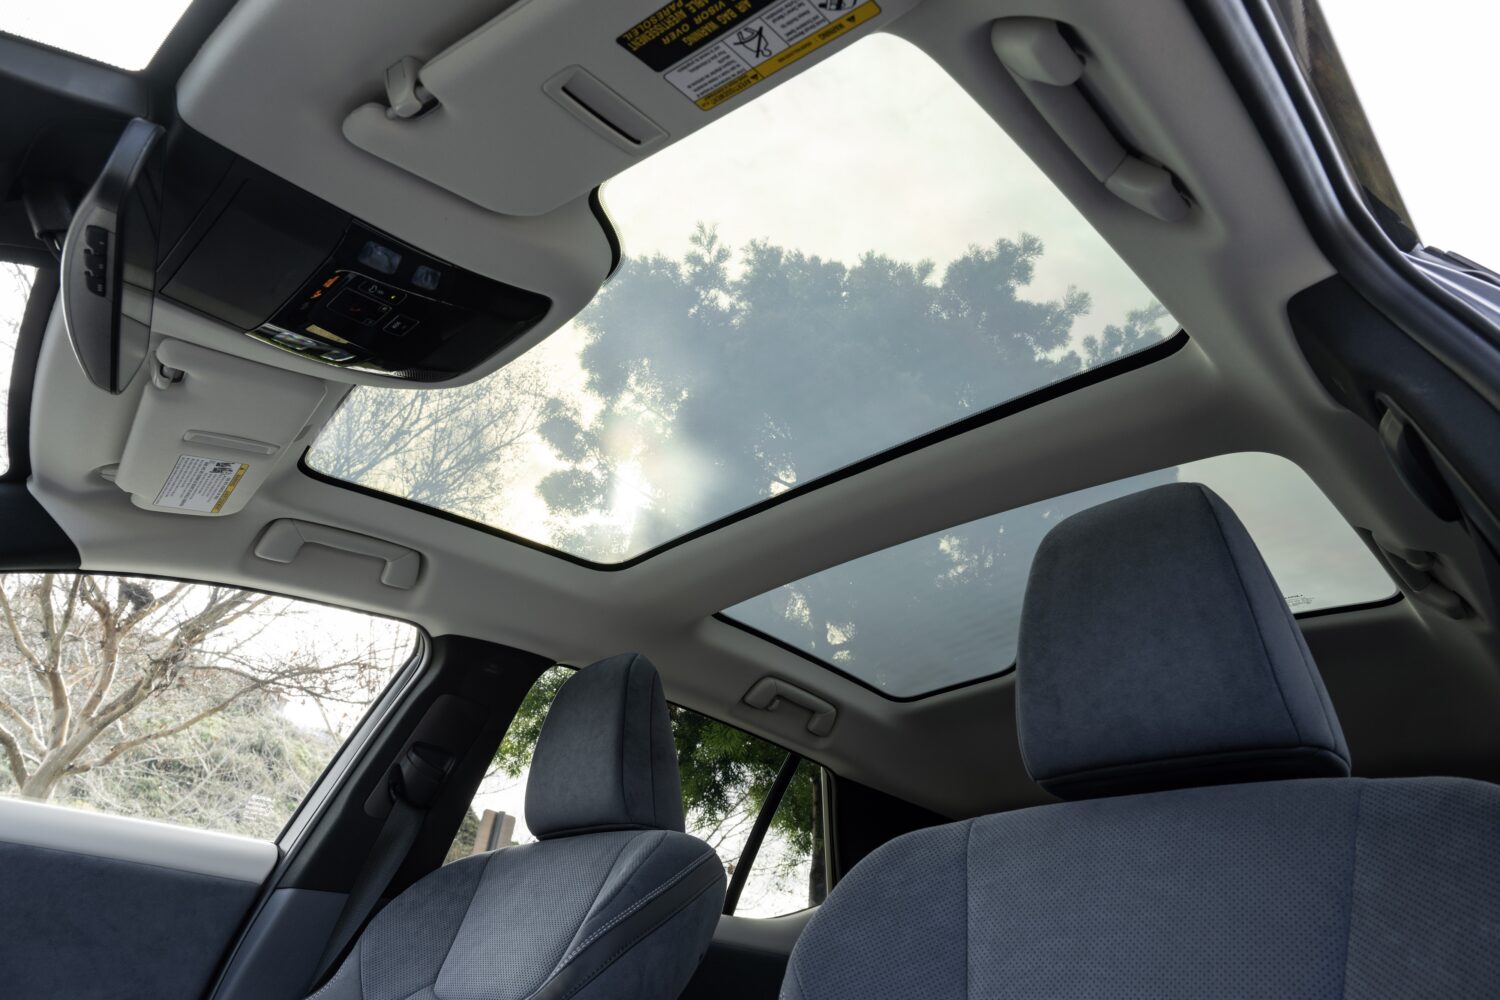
[123, 33]
[1423, 118]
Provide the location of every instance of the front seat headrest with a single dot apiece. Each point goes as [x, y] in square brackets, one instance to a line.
[1156, 652]
[605, 759]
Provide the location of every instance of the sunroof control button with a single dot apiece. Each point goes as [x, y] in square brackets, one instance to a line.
[400, 326]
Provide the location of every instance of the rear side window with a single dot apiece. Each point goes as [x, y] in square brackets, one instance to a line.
[726, 776]
[201, 705]
[789, 871]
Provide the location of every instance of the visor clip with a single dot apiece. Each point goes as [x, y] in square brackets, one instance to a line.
[404, 92]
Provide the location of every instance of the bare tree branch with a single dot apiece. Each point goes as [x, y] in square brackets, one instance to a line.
[129, 622]
[15, 633]
[13, 757]
[92, 654]
[51, 674]
[27, 731]
[114, 752]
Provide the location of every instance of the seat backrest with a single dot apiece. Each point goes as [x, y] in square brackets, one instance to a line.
[613, 900]
[1216, 846]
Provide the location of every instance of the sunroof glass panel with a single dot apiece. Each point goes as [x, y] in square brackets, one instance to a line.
[943, 609]
[123, 33]
[809, 281]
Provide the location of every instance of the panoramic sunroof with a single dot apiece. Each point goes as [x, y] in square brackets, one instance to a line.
[123, 33]
[856, 259]
[943, 609]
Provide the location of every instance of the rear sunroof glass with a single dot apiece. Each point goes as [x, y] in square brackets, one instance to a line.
[123, 33]
[858, 258]
[943, 609]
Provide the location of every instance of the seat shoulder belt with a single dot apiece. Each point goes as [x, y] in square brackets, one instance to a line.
[413, 789]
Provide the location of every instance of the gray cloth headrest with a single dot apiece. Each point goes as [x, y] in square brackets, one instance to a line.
[605, 759]
[1157, 652]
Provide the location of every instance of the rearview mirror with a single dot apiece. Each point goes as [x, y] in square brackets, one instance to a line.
[109, 262]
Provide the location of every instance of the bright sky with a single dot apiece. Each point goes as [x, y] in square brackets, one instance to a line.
[123, 33]
[921, 172]
[1425, 74]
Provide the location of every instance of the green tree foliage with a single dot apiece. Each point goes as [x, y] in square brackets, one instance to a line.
[726, 772]
[739, 365]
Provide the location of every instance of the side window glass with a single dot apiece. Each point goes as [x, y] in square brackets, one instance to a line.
[497, 816]
[788, 873]
[726, 777]
[207, 706]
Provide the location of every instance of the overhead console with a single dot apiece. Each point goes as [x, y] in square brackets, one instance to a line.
[288, 269]
[371, 302]
[237, 245]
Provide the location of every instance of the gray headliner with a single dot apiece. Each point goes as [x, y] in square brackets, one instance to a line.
[1240, 384]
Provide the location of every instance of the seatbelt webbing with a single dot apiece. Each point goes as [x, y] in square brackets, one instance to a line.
[391, 848]
[421, 774]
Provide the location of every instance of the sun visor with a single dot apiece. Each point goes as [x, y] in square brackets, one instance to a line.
[547, 100]
[210, 428]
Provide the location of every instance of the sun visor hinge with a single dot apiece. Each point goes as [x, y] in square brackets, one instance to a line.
[404, 91]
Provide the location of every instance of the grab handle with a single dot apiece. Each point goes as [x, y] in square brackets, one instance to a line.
[769, 692]
[283, 539]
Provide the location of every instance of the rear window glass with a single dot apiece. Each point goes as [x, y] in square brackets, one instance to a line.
[943, 610]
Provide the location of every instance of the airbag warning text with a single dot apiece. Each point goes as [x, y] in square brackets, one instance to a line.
[201, 484]
[711, 50]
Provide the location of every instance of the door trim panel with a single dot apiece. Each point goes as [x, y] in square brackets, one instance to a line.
[118, 838]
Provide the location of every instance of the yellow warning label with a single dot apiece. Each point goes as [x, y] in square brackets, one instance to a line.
[238, 475]
[711, 50]
[201, 484]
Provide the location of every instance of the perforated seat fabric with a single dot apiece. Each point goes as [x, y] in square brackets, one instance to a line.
[1325, 888]
[614, 900]
[1238, 881]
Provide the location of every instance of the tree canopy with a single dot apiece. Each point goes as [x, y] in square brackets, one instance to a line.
[740, 362]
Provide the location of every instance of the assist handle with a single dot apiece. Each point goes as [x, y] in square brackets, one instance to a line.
[283, 539]
[769, 692]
